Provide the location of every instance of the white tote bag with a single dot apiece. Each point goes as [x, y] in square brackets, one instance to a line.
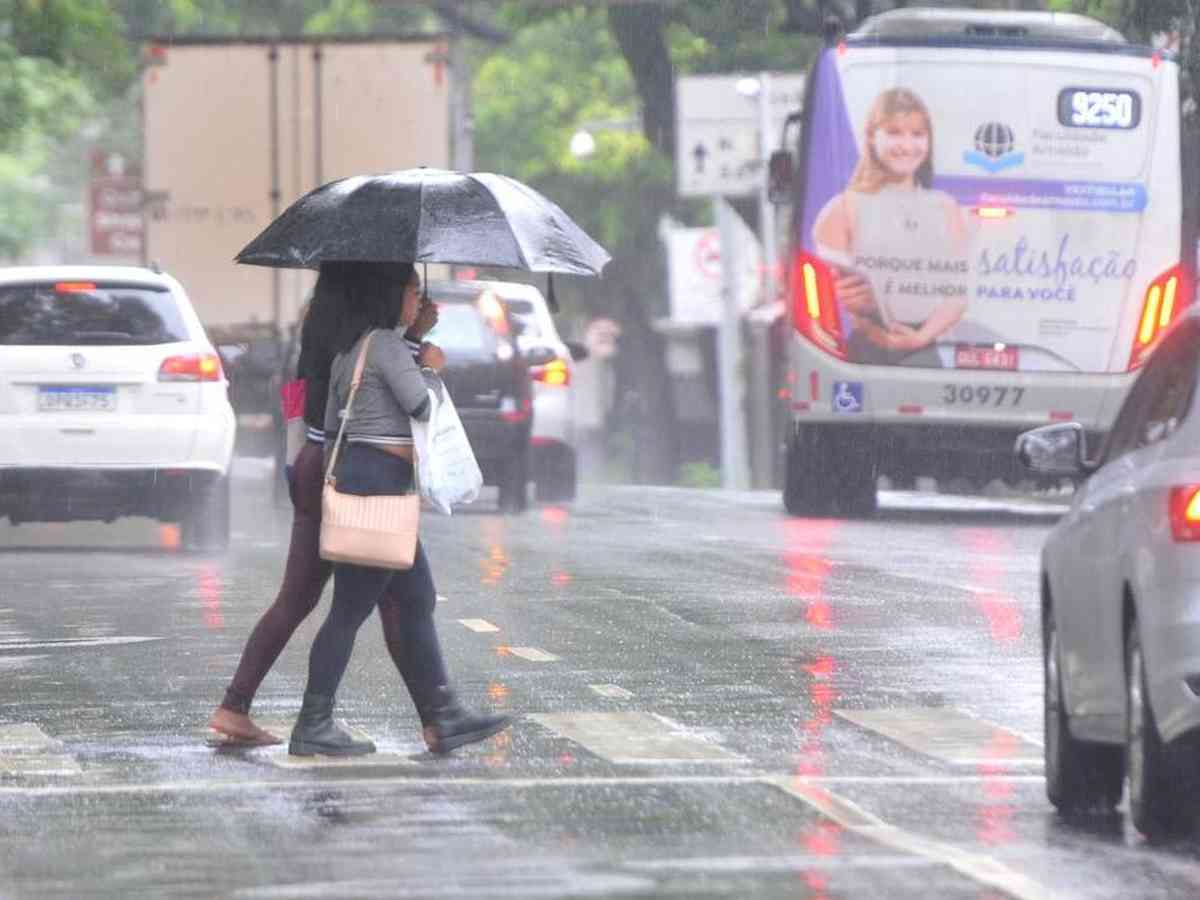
[447, 472]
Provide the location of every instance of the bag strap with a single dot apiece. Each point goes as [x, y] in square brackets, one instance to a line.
[359, 365]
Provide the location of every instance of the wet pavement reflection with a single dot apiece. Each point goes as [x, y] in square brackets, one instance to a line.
[713, 700]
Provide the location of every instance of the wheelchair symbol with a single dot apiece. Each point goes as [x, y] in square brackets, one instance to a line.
[847, 396]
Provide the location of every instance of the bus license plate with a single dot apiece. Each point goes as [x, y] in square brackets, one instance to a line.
[968, 357]
[77, 398]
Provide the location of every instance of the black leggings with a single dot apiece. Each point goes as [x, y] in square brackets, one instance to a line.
[303, 581]
[410, 598]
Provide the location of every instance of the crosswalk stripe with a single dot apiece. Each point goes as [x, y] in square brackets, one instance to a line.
[533, 654]
[976, 866]
[612, 691]
[77, 642]
[950, 735]
[241, 785]
[482, 626]
[633, 738]
[27, 750]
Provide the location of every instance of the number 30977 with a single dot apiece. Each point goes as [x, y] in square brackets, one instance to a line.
[981, 395]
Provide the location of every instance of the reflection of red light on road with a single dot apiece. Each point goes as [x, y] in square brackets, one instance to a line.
[822, 668]
[561, 579]
[555, 515]
[998, 605]
[210, 599]
[1003, 615]
[494, 565]
[995, 816]
[822, 695]
[823, 839]
[808, 566]
[818, 614]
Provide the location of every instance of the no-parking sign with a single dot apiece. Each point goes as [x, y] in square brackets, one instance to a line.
[695, 273]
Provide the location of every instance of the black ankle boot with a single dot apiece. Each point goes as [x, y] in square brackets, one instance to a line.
[451, 725]
[316, 732]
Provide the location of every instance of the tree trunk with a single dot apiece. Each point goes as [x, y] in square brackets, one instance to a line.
[640, 32]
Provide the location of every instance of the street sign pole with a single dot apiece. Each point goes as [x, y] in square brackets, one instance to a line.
[764, 451]
[734, 474]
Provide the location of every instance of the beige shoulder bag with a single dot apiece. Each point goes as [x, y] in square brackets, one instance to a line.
[379, 531]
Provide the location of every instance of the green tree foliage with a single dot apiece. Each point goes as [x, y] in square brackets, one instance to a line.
[272, 17]
[59, 60]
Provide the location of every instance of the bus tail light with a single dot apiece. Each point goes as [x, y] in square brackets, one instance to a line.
[1184, 510]
[1165, 296]
[815, 312]
[193, 367]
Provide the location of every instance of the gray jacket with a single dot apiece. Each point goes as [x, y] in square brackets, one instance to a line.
[393, 392]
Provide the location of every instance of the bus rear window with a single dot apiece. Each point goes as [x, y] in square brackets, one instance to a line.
[71, 313]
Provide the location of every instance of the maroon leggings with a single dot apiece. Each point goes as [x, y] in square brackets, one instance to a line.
[304, 579]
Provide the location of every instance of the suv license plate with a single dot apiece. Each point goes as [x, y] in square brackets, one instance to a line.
[969, 357]
[77, 398]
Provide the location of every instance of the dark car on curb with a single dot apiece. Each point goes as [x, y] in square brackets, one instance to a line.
[490, 384]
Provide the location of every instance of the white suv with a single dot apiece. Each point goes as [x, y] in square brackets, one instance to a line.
[113, 402]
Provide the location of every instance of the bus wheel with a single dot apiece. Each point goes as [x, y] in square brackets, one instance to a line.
[828, 474]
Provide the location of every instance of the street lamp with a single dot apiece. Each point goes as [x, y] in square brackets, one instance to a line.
[583, 144]
[749, 86]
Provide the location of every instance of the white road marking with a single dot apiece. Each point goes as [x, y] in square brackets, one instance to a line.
[442, 598]
[976, 866]
[27, 750]
[786, 863]
[239, 785]
[533, 654]
[483, 626]
[612, 691]
[27, 737]
[282, 760]
[949, 735]
[77, 642]
[634, 738]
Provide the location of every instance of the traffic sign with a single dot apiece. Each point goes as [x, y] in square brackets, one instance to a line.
[719, 151]
[115, 206]
[695, 273]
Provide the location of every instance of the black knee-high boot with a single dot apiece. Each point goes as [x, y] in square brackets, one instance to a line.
[317, 732]
[449, 724]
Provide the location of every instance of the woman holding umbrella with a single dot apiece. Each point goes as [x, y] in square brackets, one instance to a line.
[418, 215]
[378, 459]
[342, 289]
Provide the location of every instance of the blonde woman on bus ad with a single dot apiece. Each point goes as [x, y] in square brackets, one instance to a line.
[898, 245]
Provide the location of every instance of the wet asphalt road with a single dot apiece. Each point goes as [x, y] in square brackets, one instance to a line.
[715, 701]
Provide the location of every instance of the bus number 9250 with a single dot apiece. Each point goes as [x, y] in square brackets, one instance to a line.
[981, 395]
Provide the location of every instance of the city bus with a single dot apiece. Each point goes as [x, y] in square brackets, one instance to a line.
[986, 235]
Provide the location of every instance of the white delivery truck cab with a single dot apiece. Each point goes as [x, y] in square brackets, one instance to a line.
[987, 236]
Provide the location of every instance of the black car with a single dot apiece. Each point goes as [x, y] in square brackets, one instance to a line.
[490, 385]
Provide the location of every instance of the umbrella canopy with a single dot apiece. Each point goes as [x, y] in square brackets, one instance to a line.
[427, 216]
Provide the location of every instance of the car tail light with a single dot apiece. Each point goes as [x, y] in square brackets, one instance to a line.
[193, 367]
[74, 287]
[555, 372]
[1166, 294]
[1185, 513]
[515, 413]
[815, 312]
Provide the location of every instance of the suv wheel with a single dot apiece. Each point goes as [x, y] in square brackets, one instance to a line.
[205, 525]
[514, 495]
[1080, 776]
[829, 473]
[556, 476]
